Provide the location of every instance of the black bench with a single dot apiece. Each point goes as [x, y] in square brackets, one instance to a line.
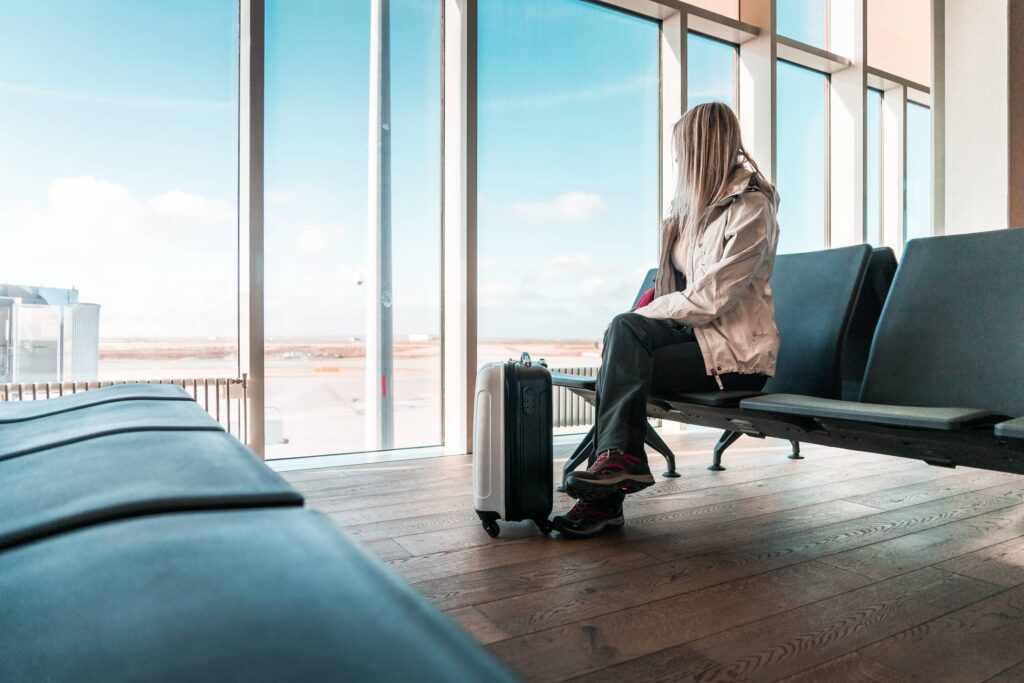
[815, 295]
[945, 366]
[140, 541]
[244, 595]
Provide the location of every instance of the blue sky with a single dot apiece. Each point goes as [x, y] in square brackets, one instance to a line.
[118, 130]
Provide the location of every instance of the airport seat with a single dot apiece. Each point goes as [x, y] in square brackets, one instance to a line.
[19, 411]
[874, 291]
[814, 296]
[248, 595]
[1011, 429]
[21, 438]
[946, 359]
[132, 474]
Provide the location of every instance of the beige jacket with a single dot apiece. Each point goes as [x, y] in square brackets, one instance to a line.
[727, 300]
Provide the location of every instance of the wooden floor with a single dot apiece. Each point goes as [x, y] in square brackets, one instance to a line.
[842, 566]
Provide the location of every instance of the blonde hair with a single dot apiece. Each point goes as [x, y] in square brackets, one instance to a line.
[709, 150]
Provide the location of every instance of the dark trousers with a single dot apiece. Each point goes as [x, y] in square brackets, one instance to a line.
[642, 357]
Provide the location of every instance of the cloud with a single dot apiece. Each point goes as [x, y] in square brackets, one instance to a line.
[562, 268]
[571, 207]
[194, 207]
[79, 97]
[85, 205]
[566, 96]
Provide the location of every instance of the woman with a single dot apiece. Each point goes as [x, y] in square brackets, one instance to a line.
[711, 322]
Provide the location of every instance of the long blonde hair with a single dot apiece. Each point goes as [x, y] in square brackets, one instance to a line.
[709, 150]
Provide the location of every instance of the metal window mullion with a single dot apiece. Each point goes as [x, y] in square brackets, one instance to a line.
[250, 210]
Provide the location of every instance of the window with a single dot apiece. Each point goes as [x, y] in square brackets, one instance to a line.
[918, 207]
[801, 158]
[873, 163]
[710, 71]
[568, 174]
[899, 38]
[319, 227]
[118, 125]
[803, 20]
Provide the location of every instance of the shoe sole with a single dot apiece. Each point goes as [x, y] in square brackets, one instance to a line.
[610, 524]
[589, 491]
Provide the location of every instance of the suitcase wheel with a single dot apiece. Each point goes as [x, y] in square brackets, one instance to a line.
[491, 527]
[544, 525]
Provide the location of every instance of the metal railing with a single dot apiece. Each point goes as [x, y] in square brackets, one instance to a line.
[224, 398]
[571, 410]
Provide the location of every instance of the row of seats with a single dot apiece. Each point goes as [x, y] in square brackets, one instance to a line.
[924, 363]
[140, 541]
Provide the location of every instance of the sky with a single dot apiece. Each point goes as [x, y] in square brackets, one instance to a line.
[118, 130]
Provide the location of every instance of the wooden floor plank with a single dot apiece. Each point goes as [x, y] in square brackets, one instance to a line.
[477, 625]
[1000, 563]
[852, 668]
[931, 546]
[608, 640]
[549, 608]
[934, 489]
[789, 643]
[973, 643]
[773, 568]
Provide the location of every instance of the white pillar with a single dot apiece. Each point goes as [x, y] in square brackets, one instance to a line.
[673, 100]
[757, 84]
[894, 152]
[459, 222]
[847, 98]
[379, 373]
[250, 213]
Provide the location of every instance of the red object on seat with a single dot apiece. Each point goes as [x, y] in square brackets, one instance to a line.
[646, 298]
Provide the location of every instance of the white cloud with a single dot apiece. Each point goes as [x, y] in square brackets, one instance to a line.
[562, 268]
[79, 97]
[84, 205]
[193, 207]
[571, 207]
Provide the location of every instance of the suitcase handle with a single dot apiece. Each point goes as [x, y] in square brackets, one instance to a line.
[525, 360]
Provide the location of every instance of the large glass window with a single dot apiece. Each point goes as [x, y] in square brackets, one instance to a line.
[803, 20]
[118, 186]
[919, 171]
[319, 227]
[710, 71]
[801, 158]
[873, 163]
[568, 174]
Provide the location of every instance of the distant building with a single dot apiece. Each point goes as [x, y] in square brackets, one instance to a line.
[47, 335]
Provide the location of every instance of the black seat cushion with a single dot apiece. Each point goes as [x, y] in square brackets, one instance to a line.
[947, 419]
[951, 330]
[252, 595]
[126, 475]
[17, 411]
[562, 379]
[20, 438]
[714, 399]
[1013, 429]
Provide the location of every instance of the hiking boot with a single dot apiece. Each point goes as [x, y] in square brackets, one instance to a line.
[612, 472]
[589, 519]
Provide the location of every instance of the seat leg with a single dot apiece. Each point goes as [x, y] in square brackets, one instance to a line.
[585, 451]
[654, 440]
[727, 439]
[795, 455]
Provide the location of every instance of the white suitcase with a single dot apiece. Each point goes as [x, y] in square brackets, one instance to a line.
[512, 444]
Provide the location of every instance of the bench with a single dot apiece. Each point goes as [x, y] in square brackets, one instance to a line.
[815, 294]
[945, 368]
[140, 541]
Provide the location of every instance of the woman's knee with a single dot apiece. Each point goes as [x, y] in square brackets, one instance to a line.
[625, 324]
